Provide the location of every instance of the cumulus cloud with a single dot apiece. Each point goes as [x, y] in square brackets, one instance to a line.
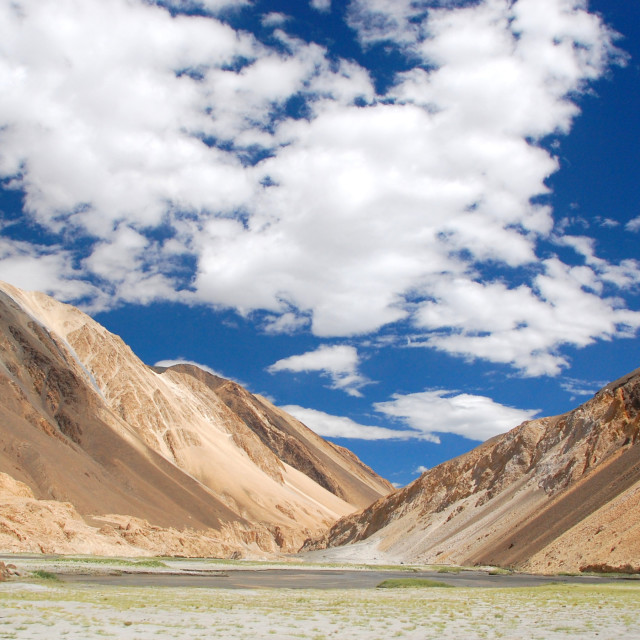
[339, 362]
[285, 323]
[44, 268]
[387, 20]
[330, 426]
[522, 325]
[274, 19]
[633, 225]
[170, 146]
[440, 411]
[423, 416]
[321, 5]
[624, 275]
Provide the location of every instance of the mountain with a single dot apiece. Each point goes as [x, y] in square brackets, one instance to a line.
[554, 494]
[100, 453]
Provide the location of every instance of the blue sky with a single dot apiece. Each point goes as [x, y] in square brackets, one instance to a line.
[412, 224]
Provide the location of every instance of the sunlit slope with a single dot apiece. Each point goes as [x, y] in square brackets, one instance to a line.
[86, 422]
[559, 493]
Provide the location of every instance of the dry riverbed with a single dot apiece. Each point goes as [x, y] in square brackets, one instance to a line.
[47, 608]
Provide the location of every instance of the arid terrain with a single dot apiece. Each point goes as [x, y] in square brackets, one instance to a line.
[555, 494]
[39, 605]
[102, 454]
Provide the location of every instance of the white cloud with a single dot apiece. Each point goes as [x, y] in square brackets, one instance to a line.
[285, 323]
[339, 362]
[421, 469]
[100, 121]
[118, 120]
[465, 163]
[42, 268]
[633, 225]
[440, 411]
[581, 387]
[321, 5]
[385, 20]
[214, 6]
[274, 19]
[423, 416]
[623, 275]
[607, 223]
[329, 426]
[523, 326]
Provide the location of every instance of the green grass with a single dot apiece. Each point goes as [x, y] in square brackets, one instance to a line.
[448, 569]
[121, 562]
[45, 575]
[168, 613]
[156, 564]
[412, 583]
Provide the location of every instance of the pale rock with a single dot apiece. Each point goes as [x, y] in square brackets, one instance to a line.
[102, 453]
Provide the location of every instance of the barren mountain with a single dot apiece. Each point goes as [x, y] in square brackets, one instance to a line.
[553, 494]
[99, 452]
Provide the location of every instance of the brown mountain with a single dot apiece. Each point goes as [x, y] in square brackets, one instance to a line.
[100, 453]
[553, 494]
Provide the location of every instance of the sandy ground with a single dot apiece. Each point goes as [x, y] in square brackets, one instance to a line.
[45, 609]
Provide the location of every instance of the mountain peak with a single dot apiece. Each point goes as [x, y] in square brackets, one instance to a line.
[86, 423]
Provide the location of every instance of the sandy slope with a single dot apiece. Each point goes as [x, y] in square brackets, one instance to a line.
[556, 494]
[86, 422]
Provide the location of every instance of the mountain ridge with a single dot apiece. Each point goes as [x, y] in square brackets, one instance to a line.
[101, 453]
[544, 497]
[87, 424]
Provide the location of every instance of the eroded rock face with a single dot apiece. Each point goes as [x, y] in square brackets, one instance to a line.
[201, 465]
[553, 494]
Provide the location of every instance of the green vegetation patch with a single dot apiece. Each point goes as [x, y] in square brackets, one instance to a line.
[120, 562]
[167, 613]
[449, 569]
[412, 583]
[156, 564]
[45, 575]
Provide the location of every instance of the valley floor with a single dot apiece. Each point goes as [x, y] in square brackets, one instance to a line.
[45, 608]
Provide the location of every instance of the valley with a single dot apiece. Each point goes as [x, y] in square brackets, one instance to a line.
[103, 455]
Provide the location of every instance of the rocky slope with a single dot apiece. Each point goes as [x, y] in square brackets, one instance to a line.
[99, 452]
[555, 494]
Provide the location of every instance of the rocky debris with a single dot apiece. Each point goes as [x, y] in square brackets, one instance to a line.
[11, 487]
[625, 569]
[47, 526]
[554, 494]
[8, 571]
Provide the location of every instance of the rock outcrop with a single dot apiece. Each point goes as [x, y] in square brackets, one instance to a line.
[99, 451]
[554, 494]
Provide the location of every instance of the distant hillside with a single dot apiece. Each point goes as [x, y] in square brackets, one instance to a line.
[100, 453]
[553, 494]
